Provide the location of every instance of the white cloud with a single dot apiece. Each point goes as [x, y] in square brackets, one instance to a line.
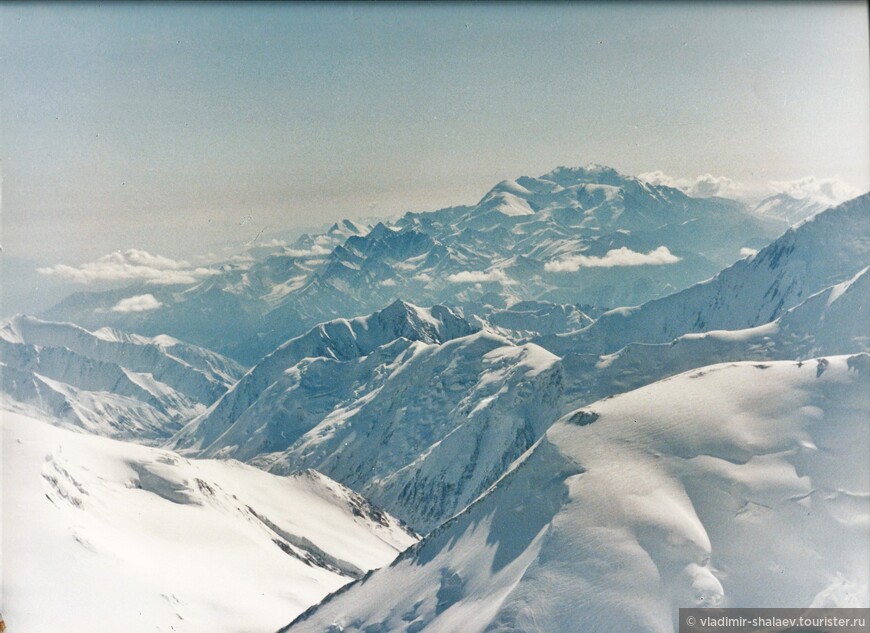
[424, 277]
[479, 276]
[139, 303]
[131, 265]
[388, 282]
[703, 186]
[748, 252]
[614, 257]
[315, 251]
[828, 191]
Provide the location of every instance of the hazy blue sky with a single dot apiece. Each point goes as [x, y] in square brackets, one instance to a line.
[163, 126]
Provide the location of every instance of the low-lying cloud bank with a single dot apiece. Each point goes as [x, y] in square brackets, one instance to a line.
[614, 257]
[703, 186]
[139, 303]
[479, 276]
[829, 191]
[131, 265]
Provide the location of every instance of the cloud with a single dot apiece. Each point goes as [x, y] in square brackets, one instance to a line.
[131, 265]
[314, 251]
[748, 252]
[479, 276]
[703, 186]
[614, 257]
[828, 191]
[139, 303]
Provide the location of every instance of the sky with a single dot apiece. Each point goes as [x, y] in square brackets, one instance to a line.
[179, 129]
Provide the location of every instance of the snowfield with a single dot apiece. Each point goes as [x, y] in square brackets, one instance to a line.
[102, 535]
[742, 484]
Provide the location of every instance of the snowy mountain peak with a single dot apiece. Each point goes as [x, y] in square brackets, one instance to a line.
[790, 208]
[339, 340]
[21, 326]
[429, 325]
[380, 230]
[347, 227]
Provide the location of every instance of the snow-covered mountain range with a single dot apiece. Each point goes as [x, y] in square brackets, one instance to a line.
[416, 408]
[585, 235]
[108, 382]
[743, 484]
[339, 397]
[587, 392]
[829, 248]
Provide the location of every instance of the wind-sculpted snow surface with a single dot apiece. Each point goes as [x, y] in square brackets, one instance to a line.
[734, 485]
[111, 536]
[828, 248]
[109, 382]
[409, 406]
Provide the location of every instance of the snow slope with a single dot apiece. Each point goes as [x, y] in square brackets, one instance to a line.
[102, 535]
[833, 321]
[535, 317]
[108, 382]
[790, 208]
[735, 485]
